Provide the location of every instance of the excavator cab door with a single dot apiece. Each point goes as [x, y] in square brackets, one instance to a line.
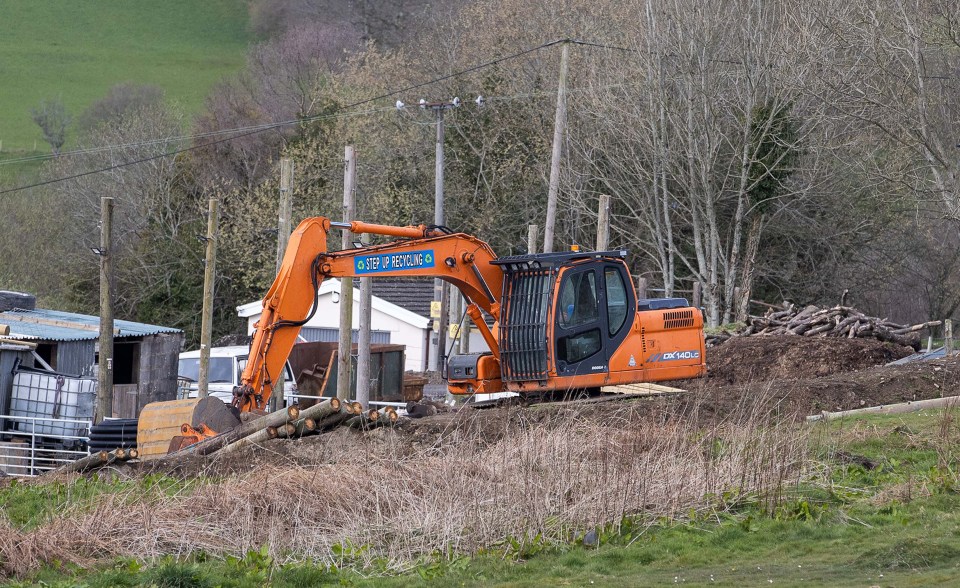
[592, 316]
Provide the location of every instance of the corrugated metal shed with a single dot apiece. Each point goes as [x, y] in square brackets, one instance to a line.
[54, 325]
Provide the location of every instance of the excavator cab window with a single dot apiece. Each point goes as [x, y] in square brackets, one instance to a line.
[578, 300]
[616, 299]
[579, 317]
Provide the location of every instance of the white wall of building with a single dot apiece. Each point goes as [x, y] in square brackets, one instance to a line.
[405, 327]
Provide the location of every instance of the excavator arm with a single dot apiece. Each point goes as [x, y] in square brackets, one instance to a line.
[459, 259]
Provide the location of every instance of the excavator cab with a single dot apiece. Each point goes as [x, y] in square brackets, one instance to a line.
[572, 320]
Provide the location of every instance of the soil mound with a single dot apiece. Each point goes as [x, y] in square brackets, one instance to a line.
[752, 359]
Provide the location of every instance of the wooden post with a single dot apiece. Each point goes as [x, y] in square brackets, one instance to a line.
[532, 232]
[559, 125]
[345, 348]
[948, 336]
[285, 210]
[642, 286]
[363, 340]
[209, 274]
[697, 288]
[603, 223]
[105, 362]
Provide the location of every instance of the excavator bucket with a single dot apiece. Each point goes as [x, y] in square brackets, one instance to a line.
[162, 424]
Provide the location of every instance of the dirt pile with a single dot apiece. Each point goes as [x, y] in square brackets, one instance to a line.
[840, 391]
[770, 377]
[752, 359]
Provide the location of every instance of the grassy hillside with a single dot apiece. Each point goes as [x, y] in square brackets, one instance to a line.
[78, 50]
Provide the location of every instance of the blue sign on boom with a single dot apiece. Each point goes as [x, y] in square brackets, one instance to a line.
[394, 262]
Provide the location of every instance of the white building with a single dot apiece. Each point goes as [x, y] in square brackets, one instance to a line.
[400, 316]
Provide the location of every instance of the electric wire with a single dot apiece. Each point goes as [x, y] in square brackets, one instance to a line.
[263, 128]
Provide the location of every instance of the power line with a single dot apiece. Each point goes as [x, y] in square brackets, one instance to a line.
[263, 128]
[253, 129]
[177, 138]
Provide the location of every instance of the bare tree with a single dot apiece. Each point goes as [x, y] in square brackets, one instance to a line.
[52, 118]
[122, 100]
[699, 139]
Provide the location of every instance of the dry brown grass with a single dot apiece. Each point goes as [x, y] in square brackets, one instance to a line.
[575, 474]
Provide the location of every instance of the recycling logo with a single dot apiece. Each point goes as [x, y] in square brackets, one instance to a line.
[428, 258]
[360, 265]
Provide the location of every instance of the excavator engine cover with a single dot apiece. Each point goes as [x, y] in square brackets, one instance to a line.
[464, 367]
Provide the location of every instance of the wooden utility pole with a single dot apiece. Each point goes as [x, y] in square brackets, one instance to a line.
[285, 210]
[603, 223]
[345, 348]
[532, 233]
[209, 275]
[439, 286]
[559, 127]
[105, 362]
[441, 292]
[284, 228]
[363, 338]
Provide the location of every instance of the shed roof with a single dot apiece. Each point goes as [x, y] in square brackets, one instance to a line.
[411, 294]
[54, 325]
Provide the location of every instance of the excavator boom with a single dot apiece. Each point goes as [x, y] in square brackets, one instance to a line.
[459, 259]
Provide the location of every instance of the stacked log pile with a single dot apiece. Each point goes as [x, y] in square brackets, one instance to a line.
[837, 321]
[286, 423]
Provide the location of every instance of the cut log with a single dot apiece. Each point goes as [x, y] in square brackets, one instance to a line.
[258, 437]
[948, 402]
[84, 464]
[321, 410]
[915, 328]
[333, 421]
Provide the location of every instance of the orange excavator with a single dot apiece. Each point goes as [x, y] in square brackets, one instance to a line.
[561, 321]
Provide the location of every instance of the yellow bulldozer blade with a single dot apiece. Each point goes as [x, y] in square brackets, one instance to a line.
[161, 422]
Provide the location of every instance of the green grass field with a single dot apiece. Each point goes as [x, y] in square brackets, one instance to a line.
[77, 50]
[885, 513]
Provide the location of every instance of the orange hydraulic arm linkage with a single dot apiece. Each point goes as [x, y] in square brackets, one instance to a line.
[460, 259]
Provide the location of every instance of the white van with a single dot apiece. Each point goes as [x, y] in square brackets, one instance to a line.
[226, 366]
